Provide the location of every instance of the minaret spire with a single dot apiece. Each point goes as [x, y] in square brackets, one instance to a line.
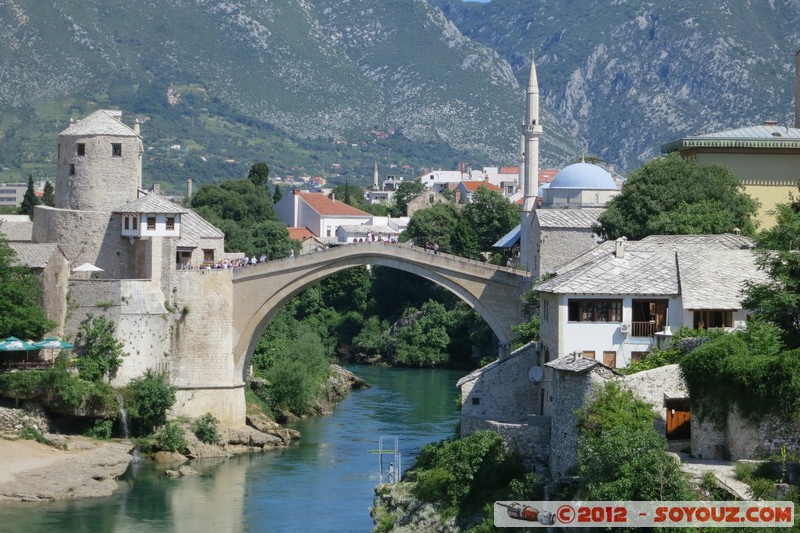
[375, 176]
[531, 131]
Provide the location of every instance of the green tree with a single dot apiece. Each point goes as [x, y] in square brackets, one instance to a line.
[259, 174]
[277, 195]
[423, 339]
[674, 196]
[435, 225]
[778, 299]
[620, 456]
[21, 312]
[100, 354]
[149, 397]
[49, 196]
[491, 216]
[352, 195]
[405, 192]
[30, 200]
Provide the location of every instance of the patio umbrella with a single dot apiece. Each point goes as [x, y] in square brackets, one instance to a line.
[13, 344]
[53, 343]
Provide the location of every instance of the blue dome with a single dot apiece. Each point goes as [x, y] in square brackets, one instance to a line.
[583, 176]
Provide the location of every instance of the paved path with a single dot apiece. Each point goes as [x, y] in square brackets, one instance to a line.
[723, 471]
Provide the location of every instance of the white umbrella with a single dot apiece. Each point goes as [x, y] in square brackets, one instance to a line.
[87, 267]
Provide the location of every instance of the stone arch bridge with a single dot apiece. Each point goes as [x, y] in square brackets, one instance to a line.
[260, 291]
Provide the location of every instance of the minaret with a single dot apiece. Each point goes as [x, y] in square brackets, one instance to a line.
[531, 132]
[375, 176]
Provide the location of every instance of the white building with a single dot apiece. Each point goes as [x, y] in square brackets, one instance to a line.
[320, 214]
[613, 302]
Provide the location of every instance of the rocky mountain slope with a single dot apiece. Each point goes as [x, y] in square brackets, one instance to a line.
[312, 85]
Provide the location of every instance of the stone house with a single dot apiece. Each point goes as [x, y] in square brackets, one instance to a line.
[465, 190]
[424, 200]
[614, 302]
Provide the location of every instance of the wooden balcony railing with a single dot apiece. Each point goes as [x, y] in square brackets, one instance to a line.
[643, 329]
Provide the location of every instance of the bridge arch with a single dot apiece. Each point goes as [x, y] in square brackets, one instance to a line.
[259, 292]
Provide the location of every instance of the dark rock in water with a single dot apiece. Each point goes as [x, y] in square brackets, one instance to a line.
[169, 458]
[265, 424]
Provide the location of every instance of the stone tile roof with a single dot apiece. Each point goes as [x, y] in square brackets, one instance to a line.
[195, 228]
[714, 279]
[573, 364]
[33, 255]
[568, 218]
[151, 203]
[707, 271]
[762, 132]
[101, 122]
[17, 231]
[327, 207]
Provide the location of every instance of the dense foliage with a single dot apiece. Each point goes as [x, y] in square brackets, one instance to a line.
[752, 371]
[243, 210]
[778, 299]
[21, 313]
[466, 232]
[676, 196]
[29, 200]
[620, 455]
[148, 398]
[100, 353]
[58, 389]
[461, 475]
[170, 438]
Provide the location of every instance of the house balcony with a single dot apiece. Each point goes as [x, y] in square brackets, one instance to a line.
[645, 329]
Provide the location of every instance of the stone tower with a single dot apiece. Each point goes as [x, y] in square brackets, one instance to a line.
[99, 164]
[531, 132]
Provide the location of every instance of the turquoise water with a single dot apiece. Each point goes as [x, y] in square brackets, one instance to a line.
[323, 484]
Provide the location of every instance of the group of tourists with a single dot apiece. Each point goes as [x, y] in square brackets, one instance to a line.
[228, 264]
[371, 237]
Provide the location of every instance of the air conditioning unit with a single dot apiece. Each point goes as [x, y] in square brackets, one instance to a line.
[625, 328]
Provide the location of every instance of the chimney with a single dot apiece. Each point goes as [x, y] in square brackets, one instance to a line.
[189, 188]
[797, 89]
[333, 197]
[770, 122]
[619, 251]
[157, 189]
[136, 128]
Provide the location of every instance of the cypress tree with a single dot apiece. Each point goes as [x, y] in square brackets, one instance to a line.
[29, 201]
[49, 197]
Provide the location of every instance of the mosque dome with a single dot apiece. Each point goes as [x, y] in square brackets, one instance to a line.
[583, 176]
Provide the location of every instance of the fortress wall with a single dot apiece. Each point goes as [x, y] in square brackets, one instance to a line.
[530, 439]
[653, 386]
[557, 246]
[86, 237]
[202, 362]
[55, 283]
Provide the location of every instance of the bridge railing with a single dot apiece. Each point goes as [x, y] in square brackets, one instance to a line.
[372, 245]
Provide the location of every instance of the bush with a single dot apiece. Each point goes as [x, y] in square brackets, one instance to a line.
[29, 433]
[762, 488]
[149, 397]
[205, 429]
[170, 438]
[744, 471]
[100, 354]
[102, 429]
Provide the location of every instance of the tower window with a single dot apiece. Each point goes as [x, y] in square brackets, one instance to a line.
[151, 222]
[127, 222]
[170, 223]
[116, 149]
[135, 223]
[72, 169]
[81, 149]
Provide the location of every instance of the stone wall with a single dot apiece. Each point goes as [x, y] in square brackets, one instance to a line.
[31, 416]
[741, 439]
[501, 390]
[87, 237]
[653, 386]
[201, 364]
[530, 439]
[556, 246]
[566, 392]
[55, 283]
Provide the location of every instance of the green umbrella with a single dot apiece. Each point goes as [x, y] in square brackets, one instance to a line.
[13, 344]
[53, 343]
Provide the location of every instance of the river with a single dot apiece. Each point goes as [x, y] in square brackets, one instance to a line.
[323, 484]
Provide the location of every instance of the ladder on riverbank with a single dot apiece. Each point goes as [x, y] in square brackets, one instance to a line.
[388, 473]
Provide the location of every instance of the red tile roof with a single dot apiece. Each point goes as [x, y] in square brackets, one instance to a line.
[546, 175]
[300, 234]
[475, 185]
[509, 170]
[325, 206]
